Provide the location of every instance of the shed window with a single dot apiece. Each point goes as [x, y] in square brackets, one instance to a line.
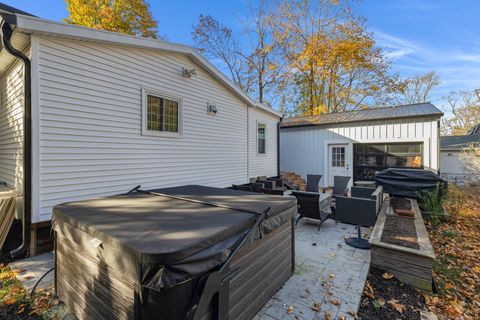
[261, 147]
[162, 115]
[371, 158]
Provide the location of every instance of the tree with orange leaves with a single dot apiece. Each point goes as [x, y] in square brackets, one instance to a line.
[131, 17]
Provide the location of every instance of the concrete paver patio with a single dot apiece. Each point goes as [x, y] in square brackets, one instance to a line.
[328, 272]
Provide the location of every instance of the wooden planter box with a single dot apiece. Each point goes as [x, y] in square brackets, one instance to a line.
[411, 266]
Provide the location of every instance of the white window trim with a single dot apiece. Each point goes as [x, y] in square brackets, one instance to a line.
[153, 133]
[256, 135]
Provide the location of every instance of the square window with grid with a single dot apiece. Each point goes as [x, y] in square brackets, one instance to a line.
[162, 114]
[338, 156]
[261, 142]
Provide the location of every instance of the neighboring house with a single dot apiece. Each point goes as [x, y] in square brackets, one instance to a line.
[452, 166]
[360, 143]
[110, 111]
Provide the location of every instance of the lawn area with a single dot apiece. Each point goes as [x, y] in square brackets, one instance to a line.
[456, 270]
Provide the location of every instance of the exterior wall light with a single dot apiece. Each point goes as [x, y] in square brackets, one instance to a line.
[211, 109]
[188, 73]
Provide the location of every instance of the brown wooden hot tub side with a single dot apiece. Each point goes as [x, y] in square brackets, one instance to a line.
[411, 266]
[265, 265]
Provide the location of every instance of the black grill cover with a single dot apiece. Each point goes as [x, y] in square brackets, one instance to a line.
[408, 182]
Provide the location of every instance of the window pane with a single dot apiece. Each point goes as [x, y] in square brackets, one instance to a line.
[171, 115]
[154, 113]
[261, 128]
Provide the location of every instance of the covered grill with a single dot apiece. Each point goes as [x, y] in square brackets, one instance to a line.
[408, 182]
[175, 253]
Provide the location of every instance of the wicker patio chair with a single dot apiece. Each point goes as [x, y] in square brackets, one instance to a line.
[309, 207]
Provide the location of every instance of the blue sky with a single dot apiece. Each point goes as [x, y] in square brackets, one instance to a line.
[419, 35]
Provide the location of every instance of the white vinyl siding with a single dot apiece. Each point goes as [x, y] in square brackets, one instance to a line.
[262, 164]
[91, 142]
[11, 126]
[302, 149]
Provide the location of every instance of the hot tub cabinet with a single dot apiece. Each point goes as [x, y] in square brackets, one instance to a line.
[154, 254]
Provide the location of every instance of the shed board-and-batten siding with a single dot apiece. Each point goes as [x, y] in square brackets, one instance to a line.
[91, 143]
[302, 149]
[11, 126]
[262, 164]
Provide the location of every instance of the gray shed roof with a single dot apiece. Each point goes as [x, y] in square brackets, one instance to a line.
[396, 112]
[458, 142]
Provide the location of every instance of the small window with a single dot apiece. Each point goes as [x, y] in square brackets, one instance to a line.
[162, 115]
[261, 147]
[338, 156]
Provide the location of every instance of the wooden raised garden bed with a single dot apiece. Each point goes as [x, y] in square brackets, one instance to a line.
[400, 245]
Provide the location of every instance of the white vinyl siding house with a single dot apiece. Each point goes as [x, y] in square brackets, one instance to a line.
[330, 148]
[110, 112]
[262, 164]
[11, 124]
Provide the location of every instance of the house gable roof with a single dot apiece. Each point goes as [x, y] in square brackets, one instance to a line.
[404, 111]
[29, 24]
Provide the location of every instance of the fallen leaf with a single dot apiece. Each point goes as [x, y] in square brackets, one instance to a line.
[387, 276]
[289, 310]
[352, 313]
[342, 317]
[316, 307]
[332, 275]
[381, 302]
[327, 316]
[10, 301]
[454, 311]
[335, 302]
[448, 285]
[476, 269]
[20, 311]
[396, 305]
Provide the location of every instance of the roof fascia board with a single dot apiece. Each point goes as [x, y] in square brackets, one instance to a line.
[432, 116]
[29, 24]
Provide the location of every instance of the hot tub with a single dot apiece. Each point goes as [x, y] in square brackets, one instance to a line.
[162, 254]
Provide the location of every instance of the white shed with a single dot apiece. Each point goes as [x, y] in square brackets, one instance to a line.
[362, 142]
[105, 112]
[452, 163]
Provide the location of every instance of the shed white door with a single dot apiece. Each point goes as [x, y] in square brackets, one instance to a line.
[338, 161]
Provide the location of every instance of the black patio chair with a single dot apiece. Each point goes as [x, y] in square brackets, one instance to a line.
[257, 187]
[279, 183]
[277, 192]
[309, 207]
[242, 188]
[312, 182]
[340, 184]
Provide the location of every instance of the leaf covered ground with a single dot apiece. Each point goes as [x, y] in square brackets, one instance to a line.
[457, 267]
[15, 301]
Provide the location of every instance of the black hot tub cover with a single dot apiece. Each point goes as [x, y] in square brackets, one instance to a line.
[172, 238]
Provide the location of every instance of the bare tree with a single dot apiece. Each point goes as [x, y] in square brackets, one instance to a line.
[419, 88]
[465, 106]
[261, 59]
[217, 43]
